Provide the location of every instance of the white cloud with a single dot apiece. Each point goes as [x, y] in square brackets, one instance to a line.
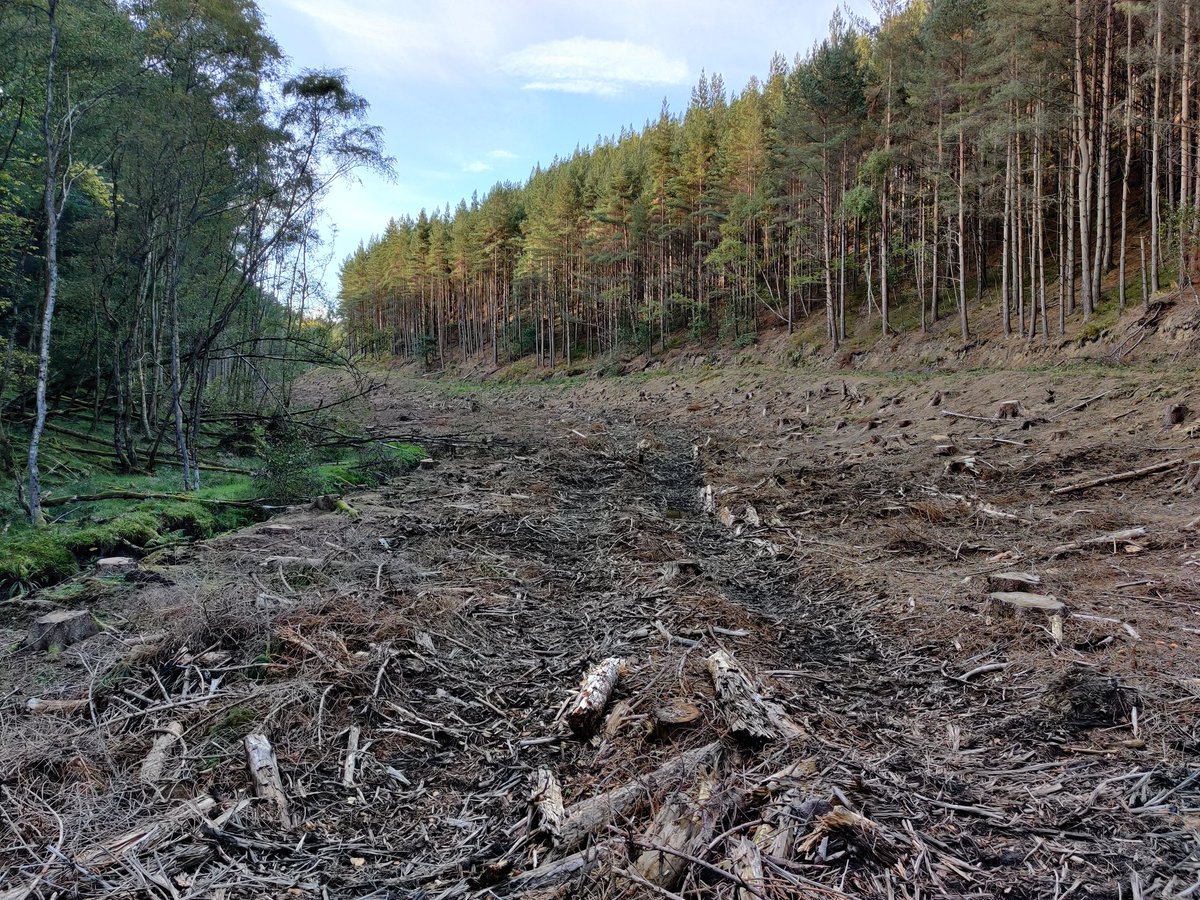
[477, 166]
[582, 65]
[428, 42]
[502, 154]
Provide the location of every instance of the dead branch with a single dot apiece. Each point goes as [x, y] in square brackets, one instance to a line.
[1120, 476]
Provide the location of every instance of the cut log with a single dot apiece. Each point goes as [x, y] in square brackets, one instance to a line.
[61, 628]
[115, 565]
[745, 861]
[1025, 600]
[1112, 537]
[674, 827]
[276, 529]
[156, 765]
[351, 757]
[1119, 476]
[589, 816]
[264, 771]
[145, 836]
[746, 711]
[574, 866]
[594, 693]
[42, 707]
[1013, 581]
[294, 562]
[546, 805]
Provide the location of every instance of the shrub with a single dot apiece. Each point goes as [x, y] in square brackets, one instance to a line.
[289, 470]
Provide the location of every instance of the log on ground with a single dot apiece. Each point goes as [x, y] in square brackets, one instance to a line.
[588, 816]
[747, 712]
[594, 693]
[264, 771]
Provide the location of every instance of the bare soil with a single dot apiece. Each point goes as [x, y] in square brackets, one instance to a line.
[837, 534]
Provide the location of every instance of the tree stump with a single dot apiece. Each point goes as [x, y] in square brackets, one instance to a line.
[1009, 409]
[1174, 414]
[1013, 581]
[674, 714]
[61, 628]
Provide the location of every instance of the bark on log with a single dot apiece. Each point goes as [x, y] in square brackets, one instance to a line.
[61, 628]
[746, 711]
[546, 805]
[1119, 476]
[588, 816]
[594, 692]
[154, 766]
[672, 829]
[264, 770]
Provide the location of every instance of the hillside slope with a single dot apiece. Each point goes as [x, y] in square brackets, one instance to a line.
[410, 665]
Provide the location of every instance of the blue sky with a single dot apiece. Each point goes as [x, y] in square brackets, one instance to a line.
[471, 92]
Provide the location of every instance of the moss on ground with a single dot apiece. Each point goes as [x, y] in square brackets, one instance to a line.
[36, 557]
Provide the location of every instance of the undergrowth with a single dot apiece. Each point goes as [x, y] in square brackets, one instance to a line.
[35, 557]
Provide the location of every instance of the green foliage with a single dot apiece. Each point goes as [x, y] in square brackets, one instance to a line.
[289, 469]
[860, 202]
[387, 460]
[32, 557]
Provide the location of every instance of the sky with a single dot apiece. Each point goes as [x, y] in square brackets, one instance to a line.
[472, 92]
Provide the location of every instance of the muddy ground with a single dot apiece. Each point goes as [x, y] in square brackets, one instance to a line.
[839, 537]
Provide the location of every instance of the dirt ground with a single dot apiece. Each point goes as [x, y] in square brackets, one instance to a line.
[838, 535]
